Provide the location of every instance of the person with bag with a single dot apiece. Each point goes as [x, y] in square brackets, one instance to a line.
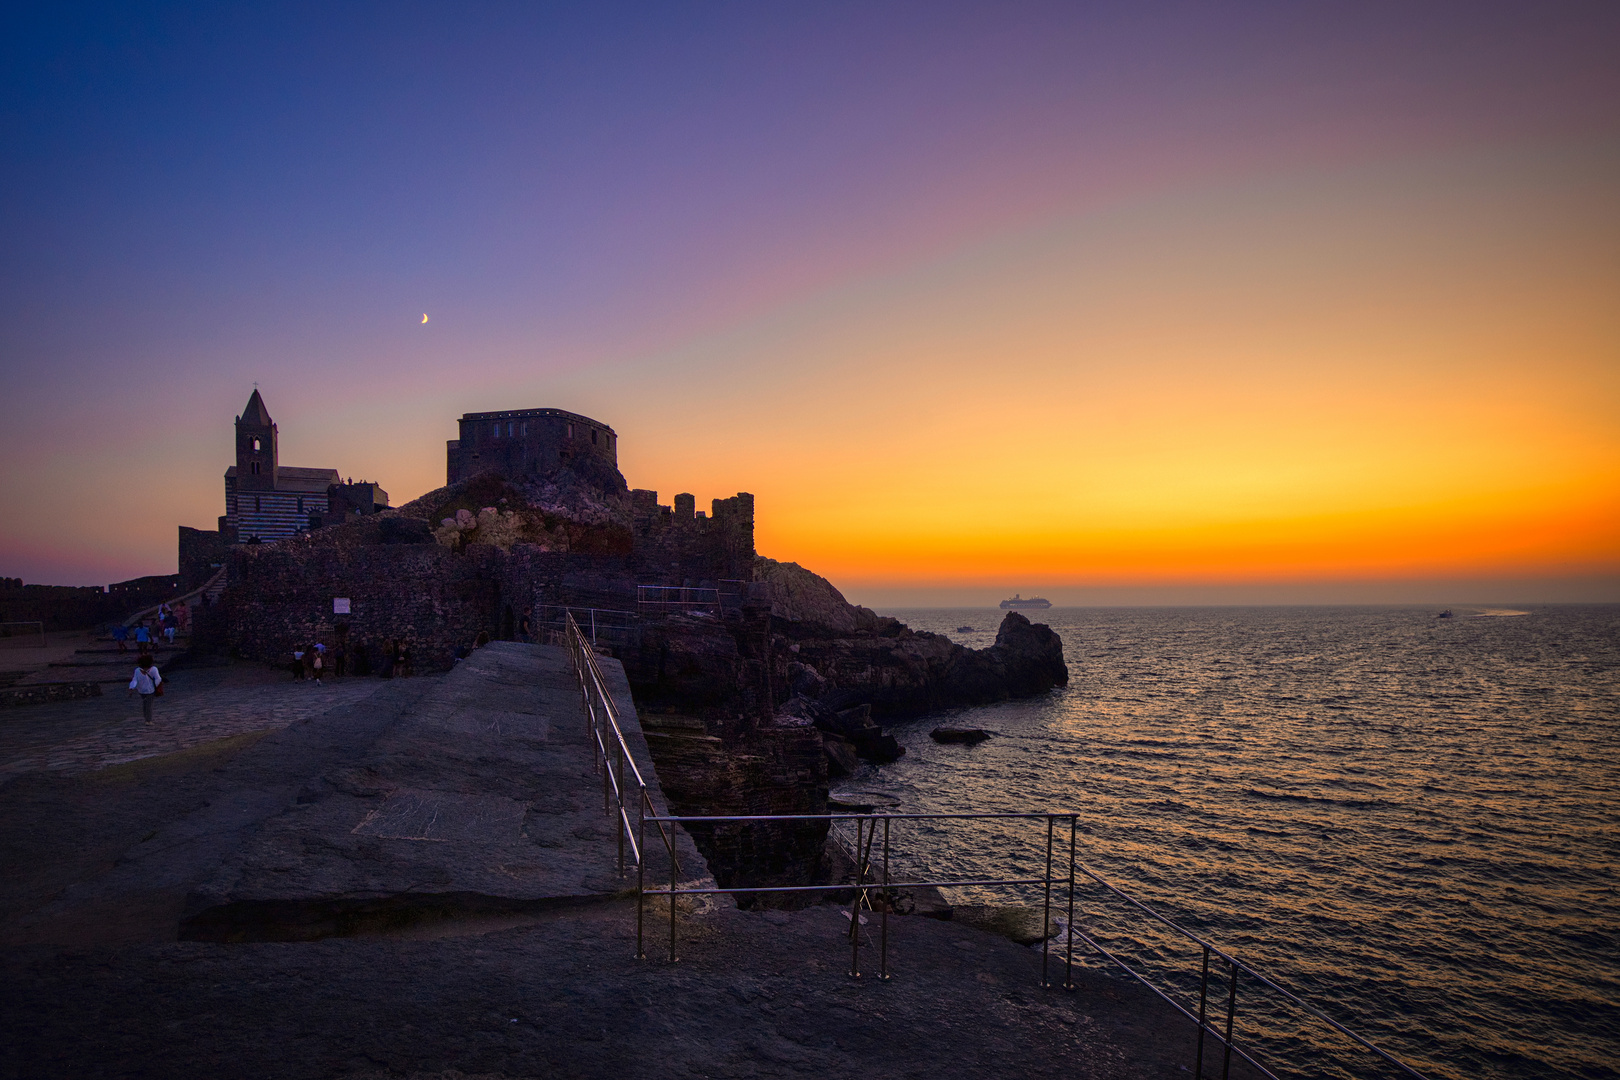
[147, 683]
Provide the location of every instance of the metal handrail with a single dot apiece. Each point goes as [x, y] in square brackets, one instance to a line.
[1238, 965]
[867, 824]
[610, 752]
[687, 598]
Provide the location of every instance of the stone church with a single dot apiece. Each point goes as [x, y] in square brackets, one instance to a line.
[266, 500]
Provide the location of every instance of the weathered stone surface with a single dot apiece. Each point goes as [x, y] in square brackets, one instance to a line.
[1016, 922]
[754, 995]
[482, 793]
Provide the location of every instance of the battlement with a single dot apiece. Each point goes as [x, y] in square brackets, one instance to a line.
[720, 542]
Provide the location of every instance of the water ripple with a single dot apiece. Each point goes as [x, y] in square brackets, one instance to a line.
[1411, 820]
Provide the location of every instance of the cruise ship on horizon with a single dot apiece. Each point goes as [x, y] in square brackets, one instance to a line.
[1018, 603]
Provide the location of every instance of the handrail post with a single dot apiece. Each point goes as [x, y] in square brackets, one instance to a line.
[1068, 948]
[1046, 908]
[641, 868]
[672, 906]
[883, 970]
[1203, 997]
[619, 822]
[1231, 1012]
[855, 908]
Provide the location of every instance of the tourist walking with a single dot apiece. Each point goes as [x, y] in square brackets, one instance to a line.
[523, 625]
[170, 625]
[318, 663]
[143, 636]
[120, 634]
[147, 683]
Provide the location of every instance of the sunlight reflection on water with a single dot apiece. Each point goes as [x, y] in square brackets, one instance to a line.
[1411, 820]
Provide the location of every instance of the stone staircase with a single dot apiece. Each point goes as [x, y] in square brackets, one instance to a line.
[103, 662]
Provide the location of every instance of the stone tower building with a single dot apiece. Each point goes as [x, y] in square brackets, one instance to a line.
[526, 441]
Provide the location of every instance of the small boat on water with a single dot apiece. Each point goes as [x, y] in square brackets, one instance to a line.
[964, 629]
[1446, 614]
[1019, 603]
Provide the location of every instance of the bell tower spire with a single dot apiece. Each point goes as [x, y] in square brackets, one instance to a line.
[255, 447]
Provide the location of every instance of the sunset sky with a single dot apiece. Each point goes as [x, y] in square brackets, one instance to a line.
[1107, 302]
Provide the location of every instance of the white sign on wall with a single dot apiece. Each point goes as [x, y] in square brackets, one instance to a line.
[340, 605]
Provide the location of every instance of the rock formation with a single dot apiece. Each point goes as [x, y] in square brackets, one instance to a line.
[763, 710]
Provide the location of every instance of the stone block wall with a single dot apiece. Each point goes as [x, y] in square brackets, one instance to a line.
[281, 598]
[202, 553]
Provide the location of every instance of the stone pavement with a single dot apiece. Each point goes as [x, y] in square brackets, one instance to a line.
[483, 797]
[274, 809]
[198, 706]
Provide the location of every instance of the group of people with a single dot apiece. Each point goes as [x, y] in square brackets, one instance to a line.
[314, 661]
[147, 632]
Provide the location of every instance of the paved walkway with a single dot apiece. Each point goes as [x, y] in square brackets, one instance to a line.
[483, 796]
[198, 706]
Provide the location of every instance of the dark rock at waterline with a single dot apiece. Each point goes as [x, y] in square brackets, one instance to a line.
[852, 727]
[842, 760]
[969, 736]
[900, 672]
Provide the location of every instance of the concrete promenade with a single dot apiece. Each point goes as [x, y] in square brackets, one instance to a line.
[414, 879]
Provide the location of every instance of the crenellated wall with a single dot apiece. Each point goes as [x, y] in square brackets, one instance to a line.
[679, 546]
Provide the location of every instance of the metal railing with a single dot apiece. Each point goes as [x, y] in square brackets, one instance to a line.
[624, 790]
[625, 798]
[664, 599]
[726, 597]
[878, 877]
[596, 623]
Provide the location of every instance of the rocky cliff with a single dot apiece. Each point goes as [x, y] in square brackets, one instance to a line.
[755, 714]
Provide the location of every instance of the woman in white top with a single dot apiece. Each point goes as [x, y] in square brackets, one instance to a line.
[146, 683]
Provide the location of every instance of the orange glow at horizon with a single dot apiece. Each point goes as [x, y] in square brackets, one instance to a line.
[1396, 374]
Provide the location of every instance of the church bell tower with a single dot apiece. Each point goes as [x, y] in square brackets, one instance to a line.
[255, 447]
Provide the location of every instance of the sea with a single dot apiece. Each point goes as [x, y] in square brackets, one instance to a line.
[1410, 822]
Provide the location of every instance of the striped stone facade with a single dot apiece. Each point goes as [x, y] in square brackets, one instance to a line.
[275, 515]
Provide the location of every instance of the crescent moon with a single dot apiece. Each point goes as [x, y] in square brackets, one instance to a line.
[424, 318]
